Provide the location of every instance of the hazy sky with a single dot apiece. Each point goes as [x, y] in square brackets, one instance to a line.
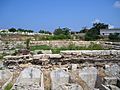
[50, 14]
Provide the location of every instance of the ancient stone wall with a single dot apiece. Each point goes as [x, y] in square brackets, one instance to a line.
[60, 43]
[79, 56]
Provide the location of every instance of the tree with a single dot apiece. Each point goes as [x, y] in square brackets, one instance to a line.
[114, 36]
[30, 31]
[100, 26]
[58, 31]
[94, 32]
[23, 30]
[12, 30]
[84, 30]
[64, 31]
[44, 31]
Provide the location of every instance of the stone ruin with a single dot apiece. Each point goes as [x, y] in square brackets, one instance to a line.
[95, 69]
[95, 57]
[30, 79]
[112, 70]
[5, 76]
[60, 80]
[89, 75]
[112, 79]
[89, 78]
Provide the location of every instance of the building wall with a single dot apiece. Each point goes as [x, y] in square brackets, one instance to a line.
[108, 31]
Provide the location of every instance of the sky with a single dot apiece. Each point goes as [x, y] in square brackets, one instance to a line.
[51, 14]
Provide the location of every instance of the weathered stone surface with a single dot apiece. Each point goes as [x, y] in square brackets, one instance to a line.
[41, 56]
[113, 70]
[61, 43]
[46, 56]
[96, 89]
[105, 87]
[55, 56]
[91, 52]
[30, 79]
[43, 52]
[89, 75]
[5, 78]
[72, 87]
[74, 67]
[94, 56]
[110, 80]
[110, 87]
[60, 81]
[4, 74]
[59, 78]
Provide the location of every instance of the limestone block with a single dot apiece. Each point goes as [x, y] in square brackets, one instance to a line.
[89, 75]
[59, 77]
[113, 70]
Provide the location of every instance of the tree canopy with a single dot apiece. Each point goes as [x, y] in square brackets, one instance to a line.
[114, 37]
[84, 30]
[94, 32]
[64, 31]
[23, 30]
[12, 30]
[20, 30]
[44, 31]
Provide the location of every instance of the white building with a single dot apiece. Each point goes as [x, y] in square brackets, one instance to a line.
[109, 31]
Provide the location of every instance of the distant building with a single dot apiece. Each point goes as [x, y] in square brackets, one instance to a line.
[106, 32]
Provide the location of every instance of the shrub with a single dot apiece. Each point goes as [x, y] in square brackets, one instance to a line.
[55, 37]
[64, 31]
[92, 35]
[94, 46]
[114, 36]
[56, 50]
[40, 47]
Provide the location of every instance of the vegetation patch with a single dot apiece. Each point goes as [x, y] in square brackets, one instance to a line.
[92, 46]
[40, 47]
[114, 37]
[9, 86]
[55, 37]
[1, 56]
